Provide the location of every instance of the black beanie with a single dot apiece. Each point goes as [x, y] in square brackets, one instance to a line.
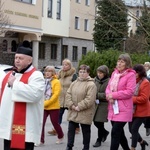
[24, 50]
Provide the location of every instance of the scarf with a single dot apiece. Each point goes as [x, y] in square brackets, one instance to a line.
[113, 87]
[114, 82]
[64, 74]
[137, 86]
[136, 92]
[48, 90]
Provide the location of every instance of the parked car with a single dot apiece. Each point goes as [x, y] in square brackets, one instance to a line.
[58, 68]
[5, 68]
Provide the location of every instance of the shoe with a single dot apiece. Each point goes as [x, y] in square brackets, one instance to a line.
[37, 145]
[147, 131]
[77, 130]
[97, 144]
[60, 141]
[52, 132]
[143, 144]
[105, 137]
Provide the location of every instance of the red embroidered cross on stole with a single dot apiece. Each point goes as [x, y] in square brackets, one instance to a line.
[19, 120]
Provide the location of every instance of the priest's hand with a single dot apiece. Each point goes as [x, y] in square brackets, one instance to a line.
[11, 80]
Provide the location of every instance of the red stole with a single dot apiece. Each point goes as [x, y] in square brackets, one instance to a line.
[19, 120]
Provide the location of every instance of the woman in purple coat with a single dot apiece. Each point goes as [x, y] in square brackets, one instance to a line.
[119, 94]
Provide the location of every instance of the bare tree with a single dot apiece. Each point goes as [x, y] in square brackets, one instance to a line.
[5, 22]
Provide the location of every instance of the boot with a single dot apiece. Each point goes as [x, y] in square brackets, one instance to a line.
[97, 144]
[143, 144]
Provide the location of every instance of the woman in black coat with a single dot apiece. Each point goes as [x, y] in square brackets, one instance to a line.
[101, 81]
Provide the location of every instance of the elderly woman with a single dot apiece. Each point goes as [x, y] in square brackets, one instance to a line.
[101, 112]
[66, 76]
[80, 100]
[141, 106]
[119, 94]
[51, 103]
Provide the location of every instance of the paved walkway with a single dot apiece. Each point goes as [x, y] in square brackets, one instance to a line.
[50, 140]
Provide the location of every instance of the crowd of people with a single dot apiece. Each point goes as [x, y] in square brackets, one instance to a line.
[29, 96]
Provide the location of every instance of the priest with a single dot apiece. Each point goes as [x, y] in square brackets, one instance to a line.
[21, 103]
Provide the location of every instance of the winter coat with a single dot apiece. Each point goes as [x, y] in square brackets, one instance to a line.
[81, 93]
[125, 90]
[53, 102]
[101, 110]
[141, 101]
[65, 78]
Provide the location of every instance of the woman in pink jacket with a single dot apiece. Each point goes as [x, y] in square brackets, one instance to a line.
[119, 93]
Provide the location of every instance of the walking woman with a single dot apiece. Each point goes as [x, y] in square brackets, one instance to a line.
[101, 111]
[141, 106]
[80, 100]
[51, 103]
[119, 93]
[66, 76]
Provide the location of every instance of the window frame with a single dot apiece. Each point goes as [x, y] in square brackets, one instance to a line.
[87, 2]
[54, 51]
[41, 54]
[137, 15]
[27, 1]
[50, 9]
[75, 53]
[84, 50]
[77, 23]
[86, 25]
[4, 45]
[78, 1]
[64, 52]
[14, 46]
[58, 11]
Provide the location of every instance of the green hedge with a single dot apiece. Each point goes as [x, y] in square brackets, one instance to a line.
[109, 58]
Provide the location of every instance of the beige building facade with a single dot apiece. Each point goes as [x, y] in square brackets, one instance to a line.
[22, 20]
[57, 29]
[69, 34]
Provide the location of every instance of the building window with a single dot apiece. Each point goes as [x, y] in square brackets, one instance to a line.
[49, 13]
[77, 23]
[53, 51]
[87, 2]
[84, 50]
[137, 15]
[86, 25]
[64, 51]
[4, 45]
[26, 1]
[58, 9]
[78, 1]
[13, 46]
[75, 53]
[41, 50]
